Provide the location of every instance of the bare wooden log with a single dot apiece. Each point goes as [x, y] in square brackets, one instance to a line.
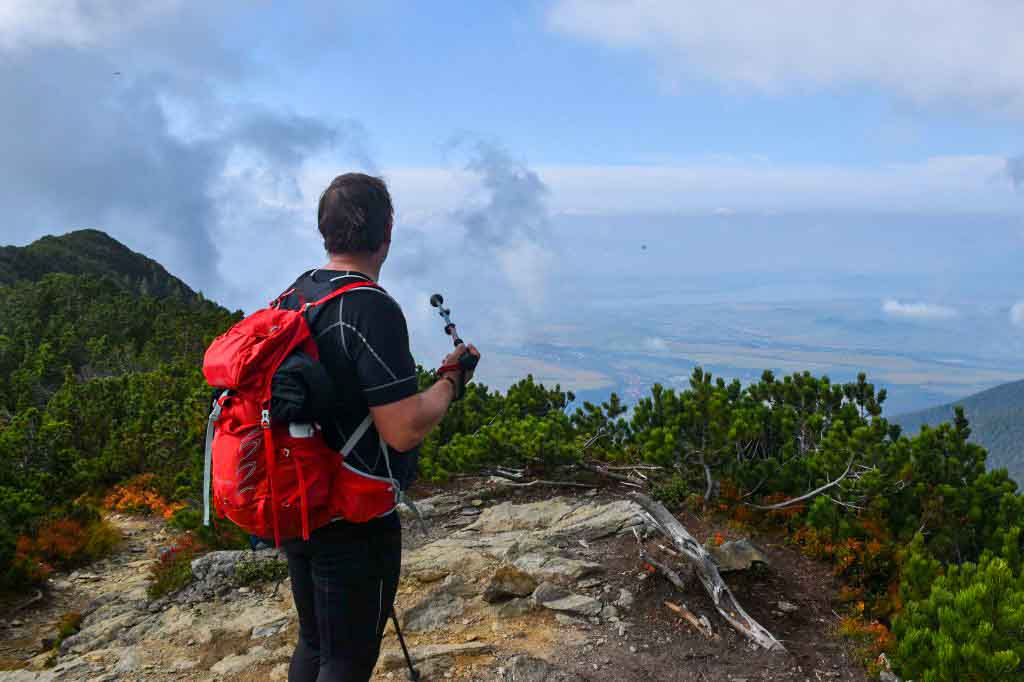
[701, 625]
[726, 604]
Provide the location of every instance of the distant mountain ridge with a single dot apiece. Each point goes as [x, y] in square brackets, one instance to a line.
[997, 424]
[90, 252]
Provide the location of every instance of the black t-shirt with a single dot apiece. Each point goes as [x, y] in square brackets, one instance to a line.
[363, 343]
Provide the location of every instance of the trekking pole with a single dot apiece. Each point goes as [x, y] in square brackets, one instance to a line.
[467, 361]
[414, 674]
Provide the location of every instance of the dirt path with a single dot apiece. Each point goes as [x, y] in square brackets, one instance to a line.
[23, 634]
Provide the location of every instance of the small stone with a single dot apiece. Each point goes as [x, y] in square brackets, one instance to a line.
[787, 607]
[632, 649]
[509, 581]
[477, 502]
[625, 600]
[546, 592]
[514, 608]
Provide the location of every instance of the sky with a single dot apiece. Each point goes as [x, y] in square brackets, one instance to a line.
[542, 154]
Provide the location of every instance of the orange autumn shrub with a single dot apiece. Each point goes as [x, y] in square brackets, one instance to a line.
[63, 543]
[871, 638]
[28, 567]
[138, 495]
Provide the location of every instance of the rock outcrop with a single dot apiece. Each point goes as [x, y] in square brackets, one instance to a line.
[501, 563]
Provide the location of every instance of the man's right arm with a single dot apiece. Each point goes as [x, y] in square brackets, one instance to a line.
[405, 423]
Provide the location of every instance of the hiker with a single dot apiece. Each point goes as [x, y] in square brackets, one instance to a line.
[344, 577]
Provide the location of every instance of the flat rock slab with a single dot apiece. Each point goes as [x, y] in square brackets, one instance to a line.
[556, 569]
[508, 516]
[530, 669]
[576, 604]
[392, 659]
[436, 611]
[560, 518]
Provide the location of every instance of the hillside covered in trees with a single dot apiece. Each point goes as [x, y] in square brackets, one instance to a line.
[91, 252]
[100, 383]
[997, 424]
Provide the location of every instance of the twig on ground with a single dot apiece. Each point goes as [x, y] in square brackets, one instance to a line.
[701, 625]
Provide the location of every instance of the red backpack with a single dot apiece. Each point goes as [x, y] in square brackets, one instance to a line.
[270, 480]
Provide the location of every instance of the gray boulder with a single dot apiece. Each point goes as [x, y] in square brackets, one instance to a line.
[737, 555]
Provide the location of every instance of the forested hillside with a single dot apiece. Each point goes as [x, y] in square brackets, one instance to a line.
[997, 424]
[100, 383]
[90, 252]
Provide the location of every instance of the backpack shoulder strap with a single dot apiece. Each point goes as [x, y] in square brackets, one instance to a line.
[341, 290]
[357, 436]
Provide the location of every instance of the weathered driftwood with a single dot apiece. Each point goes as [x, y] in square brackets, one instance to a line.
[701, 625]
[709, 576]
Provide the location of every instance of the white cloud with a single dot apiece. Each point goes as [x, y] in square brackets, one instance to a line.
[951, 184]
[77, 23]
[655, 344]
[919, 310]
[1017, 314]
[964, 51]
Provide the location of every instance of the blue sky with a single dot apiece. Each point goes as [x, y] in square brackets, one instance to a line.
[416, 72]
[872, 149]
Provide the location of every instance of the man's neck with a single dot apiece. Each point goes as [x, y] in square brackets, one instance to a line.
[354, 262]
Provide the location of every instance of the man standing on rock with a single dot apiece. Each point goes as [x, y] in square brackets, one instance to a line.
[344, 578]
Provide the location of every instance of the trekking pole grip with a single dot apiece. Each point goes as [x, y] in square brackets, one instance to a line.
[468, 361]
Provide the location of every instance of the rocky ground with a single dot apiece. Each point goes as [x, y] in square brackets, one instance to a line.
[509, 584]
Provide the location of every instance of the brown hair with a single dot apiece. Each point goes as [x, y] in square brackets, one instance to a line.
[355, 213]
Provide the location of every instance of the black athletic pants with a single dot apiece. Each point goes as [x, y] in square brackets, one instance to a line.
[344, 584]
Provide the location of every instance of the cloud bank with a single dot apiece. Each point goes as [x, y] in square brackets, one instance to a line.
[960, 51]
[1015, 170]
[919, 310]
[1017, 314]
[132, 119]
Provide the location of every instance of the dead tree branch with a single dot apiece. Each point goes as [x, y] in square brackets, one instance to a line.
[804, 498]
[707, 571]
[605, 473]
